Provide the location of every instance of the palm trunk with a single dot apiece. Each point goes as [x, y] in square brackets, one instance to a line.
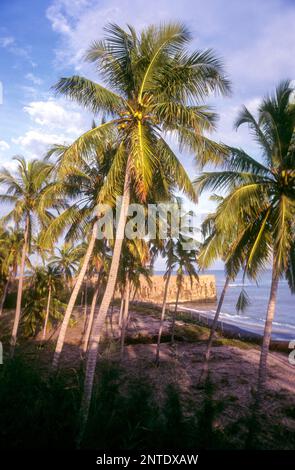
[205, 370]
[121, 312]
[262, 374]
[125, 317]
[47, 314]
[90, 319]
[162, 317]
[4, 295]
[107, 298]
[174, 314]
[73, 298]
[20, 290]
[85, 307]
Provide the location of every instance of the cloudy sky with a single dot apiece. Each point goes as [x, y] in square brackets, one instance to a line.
[41, 40]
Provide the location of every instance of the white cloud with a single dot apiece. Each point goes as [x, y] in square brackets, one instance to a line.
[23, 52]
[36, 80]
[10, 165]
[36, 142]
[53, 122]
[57, 115]
[80, 22]
[256, 39]
[4, 145]
[7, 41]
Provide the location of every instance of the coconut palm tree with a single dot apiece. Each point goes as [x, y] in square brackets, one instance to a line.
[66, 260]
[216, 245]
[155, 86]
[53, 279]
[185, 264]
[25, 191]
[168, 253]
[42, 304]
[81, 183]
[177, 256]
[11, 242]
[261, 196]
[98, 267]
[133, 266]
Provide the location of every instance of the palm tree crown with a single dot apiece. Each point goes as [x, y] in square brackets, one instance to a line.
[261, 194]
[153, 86]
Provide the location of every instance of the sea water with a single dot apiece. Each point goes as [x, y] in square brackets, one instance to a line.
[253, 318]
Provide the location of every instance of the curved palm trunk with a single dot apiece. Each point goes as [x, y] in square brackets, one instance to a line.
[19, 290]
[4, 295]
[73, 298]
[107, 298]
[90, 319]
[125, 316]
[162, 317]
[205, 370]
[47, 314]
[174, 314]
[262, 374]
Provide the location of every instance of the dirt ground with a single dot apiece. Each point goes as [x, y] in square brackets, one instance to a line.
[233, 365]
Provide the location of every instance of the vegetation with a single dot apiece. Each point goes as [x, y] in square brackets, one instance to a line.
[153, 88]
[261, 199]
[125, 414]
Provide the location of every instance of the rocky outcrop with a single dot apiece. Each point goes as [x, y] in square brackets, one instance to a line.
[203, 289]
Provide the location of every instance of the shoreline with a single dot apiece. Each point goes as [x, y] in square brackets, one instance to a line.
[236, 331]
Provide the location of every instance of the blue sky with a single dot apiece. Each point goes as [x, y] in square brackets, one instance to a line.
[41, 40]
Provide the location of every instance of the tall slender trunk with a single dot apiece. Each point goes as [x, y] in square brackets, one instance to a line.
[135, 293]
[104, 306]
[162, 317]
[205, 370]
[174, 314]
[73, 298]
[47, 313]
[111, 314]
[85, 307]
[4, 295]
[125, 316]
[91, 316]
[20, 289]
[121, 311]
[262, 373]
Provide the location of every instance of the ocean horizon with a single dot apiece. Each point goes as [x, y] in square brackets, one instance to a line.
[253, 318]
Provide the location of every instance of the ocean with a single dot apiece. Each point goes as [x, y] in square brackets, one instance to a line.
[254, 317]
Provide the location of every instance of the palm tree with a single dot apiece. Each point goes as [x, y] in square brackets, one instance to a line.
[98, 266]
[10, 253]
[155, 85]
[185, 261]
[133, 266]
[168, 252]
[53, 276]
[82, 181]
[25, 190]
[66, 260]
[219, 244]
[177, 255]
[263, 194]
[42, 300]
